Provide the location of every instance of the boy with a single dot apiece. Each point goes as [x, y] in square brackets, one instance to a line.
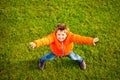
[61, 44]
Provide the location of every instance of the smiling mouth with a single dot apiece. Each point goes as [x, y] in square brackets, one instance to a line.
[61, 39]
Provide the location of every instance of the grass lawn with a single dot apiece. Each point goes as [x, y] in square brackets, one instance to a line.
[22, 21]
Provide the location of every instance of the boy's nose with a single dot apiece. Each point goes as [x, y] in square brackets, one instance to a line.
[60, 36]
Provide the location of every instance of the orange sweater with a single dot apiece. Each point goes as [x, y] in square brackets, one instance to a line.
[62, 49]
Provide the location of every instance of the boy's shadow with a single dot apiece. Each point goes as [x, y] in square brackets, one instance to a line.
[65, 62]
[31, 64]
[57, 63]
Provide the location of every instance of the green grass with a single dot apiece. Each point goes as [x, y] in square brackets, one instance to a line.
[22, 21]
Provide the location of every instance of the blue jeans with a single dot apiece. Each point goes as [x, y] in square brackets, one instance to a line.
[51, 56]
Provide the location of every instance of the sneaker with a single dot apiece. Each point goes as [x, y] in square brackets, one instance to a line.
[41, 65]
[83, 65]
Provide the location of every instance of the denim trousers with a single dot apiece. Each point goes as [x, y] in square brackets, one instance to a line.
[51, 56]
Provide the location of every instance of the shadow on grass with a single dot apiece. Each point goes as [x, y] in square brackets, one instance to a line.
[59, 63]
[30, 65]
[23, 69]
[65, 63]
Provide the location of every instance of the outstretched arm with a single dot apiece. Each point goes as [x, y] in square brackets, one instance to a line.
[43, 41]
[83, 40]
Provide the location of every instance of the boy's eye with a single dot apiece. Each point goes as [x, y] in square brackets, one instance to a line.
[58, 34]
[62, 34]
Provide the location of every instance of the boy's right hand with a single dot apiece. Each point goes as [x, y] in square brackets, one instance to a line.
[33, 45]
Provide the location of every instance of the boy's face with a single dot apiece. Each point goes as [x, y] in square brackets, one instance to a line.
[61, 35]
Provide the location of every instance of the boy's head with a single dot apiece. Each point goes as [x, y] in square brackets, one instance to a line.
[61, 32]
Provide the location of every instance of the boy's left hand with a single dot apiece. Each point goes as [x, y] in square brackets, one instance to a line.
[95, 40]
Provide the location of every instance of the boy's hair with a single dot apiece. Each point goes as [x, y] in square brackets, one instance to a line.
[62, 27]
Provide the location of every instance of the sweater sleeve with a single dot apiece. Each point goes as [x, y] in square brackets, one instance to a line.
[81, 39]
[44, 41]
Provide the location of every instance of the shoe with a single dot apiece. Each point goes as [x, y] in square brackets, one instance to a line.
[83, 65]
[41, 65]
